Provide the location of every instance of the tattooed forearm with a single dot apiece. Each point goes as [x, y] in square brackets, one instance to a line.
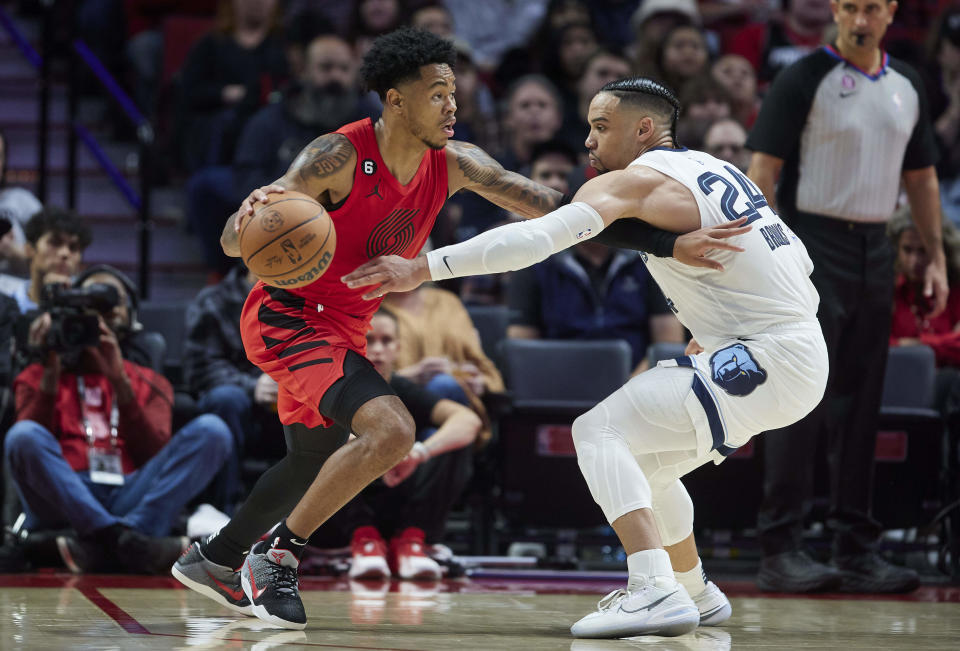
[507, 189]
[323, 157]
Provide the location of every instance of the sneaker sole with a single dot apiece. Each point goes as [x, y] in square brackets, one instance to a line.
[663, 629]
[370, 575]
[261, 612]
[209, 592]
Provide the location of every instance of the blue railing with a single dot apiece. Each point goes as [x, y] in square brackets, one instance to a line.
[77, 132]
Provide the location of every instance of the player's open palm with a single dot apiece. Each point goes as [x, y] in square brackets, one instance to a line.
[248, 206]
[389, 273]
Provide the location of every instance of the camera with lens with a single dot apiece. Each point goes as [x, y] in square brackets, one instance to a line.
[74, 315]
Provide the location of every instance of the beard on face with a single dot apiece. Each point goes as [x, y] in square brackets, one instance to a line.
[418, 132]
[325, 107]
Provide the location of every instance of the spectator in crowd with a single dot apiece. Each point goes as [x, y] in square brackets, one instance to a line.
[439, 348]
[370, 19]
[574, 45]
[601, 67]
[534, 55]
[590, 291]
[533, 115]
[56, 239]
[326, 97]
[844, 98]
[651, 23]
[683, 55]
[409, 505]
[494, 27]
[739, 79]
[434, 17]
[217, 372]
[17, 205]
[726, 139]
[911, 325]
[772, 46]
[228, 75]
[704, 101]
[92, 449]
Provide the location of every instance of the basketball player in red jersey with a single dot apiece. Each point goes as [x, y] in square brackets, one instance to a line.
[383, 185]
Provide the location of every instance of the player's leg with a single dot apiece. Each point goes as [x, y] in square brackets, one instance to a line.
[647, 415]
[209, 566]
[673, 511]
[384, 430]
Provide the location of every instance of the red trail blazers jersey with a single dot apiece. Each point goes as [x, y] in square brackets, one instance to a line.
[300, 336]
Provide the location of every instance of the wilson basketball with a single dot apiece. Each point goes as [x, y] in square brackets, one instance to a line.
[288, 242]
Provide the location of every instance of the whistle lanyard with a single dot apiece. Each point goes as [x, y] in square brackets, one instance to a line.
[87, 427]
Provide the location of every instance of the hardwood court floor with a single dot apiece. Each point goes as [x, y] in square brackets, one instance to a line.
[55, 611]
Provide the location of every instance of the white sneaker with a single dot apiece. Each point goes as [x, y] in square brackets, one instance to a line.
[713, 605]
[661, 606]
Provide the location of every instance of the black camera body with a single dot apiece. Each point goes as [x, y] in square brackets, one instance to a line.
[74, 315]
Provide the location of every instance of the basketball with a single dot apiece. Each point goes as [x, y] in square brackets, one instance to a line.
[288, 242]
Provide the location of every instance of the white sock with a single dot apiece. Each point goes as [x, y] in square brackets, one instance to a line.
[695, 580]
[647, 563]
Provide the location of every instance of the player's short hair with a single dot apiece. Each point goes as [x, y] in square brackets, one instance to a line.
[52, 219]
[650, 96]
[398, 56]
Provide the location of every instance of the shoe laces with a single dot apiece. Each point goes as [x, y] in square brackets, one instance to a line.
[283, 579]
[612, 599]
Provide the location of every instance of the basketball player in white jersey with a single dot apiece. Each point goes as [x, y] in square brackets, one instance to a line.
[762, 361]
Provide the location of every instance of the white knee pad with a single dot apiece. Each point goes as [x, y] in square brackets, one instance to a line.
[612, 474]
[673, 511]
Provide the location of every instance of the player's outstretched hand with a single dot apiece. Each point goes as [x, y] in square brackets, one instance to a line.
[247, 207]
[692, 248]
[389, 273]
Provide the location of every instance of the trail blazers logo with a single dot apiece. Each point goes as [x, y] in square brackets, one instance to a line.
[394, 234]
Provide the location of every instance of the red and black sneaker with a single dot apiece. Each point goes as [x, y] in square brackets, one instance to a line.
[269, 581]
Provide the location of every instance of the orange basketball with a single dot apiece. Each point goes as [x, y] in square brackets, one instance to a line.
[288, 242]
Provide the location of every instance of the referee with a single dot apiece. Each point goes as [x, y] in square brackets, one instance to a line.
[841, 128]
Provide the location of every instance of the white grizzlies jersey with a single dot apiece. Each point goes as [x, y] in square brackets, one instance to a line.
[764, 363]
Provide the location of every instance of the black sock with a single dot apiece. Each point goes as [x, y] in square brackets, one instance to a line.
[282, 538]
[222, 550]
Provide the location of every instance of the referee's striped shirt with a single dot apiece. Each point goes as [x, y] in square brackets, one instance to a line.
[845, 136]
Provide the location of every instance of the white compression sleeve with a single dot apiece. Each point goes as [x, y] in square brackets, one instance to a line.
[517, 245]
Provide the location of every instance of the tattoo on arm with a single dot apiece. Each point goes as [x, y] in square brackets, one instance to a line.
[505, 188]
[323, 157]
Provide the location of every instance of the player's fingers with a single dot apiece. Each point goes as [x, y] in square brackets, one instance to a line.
[260, 195]
[375, 294]
[734, 224]
[722, 231]
[275, 188]
[362, 276]
[726, 246]
[708, 263]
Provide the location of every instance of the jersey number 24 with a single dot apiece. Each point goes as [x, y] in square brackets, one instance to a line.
[755, 199]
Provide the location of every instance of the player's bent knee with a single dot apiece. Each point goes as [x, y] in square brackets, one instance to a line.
[588, 427]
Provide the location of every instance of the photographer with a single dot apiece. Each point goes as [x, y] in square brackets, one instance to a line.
[92, 445]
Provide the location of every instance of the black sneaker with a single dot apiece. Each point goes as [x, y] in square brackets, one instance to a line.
[218, 582]
[82, 556]
[269, 580]
[869, 573]
[796, 572]
[142, 554]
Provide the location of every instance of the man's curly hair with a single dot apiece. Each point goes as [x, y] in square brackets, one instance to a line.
[397, 57]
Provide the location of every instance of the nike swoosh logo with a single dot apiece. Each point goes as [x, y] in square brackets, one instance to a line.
[711, 612]
[843, 95]
[447, 263]
[254, 589]
[236, 594]
[647, 607]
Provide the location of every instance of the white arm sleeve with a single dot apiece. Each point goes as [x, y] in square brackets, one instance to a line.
[517, 245]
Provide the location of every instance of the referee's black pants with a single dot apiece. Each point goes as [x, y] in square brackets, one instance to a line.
[853, 272]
